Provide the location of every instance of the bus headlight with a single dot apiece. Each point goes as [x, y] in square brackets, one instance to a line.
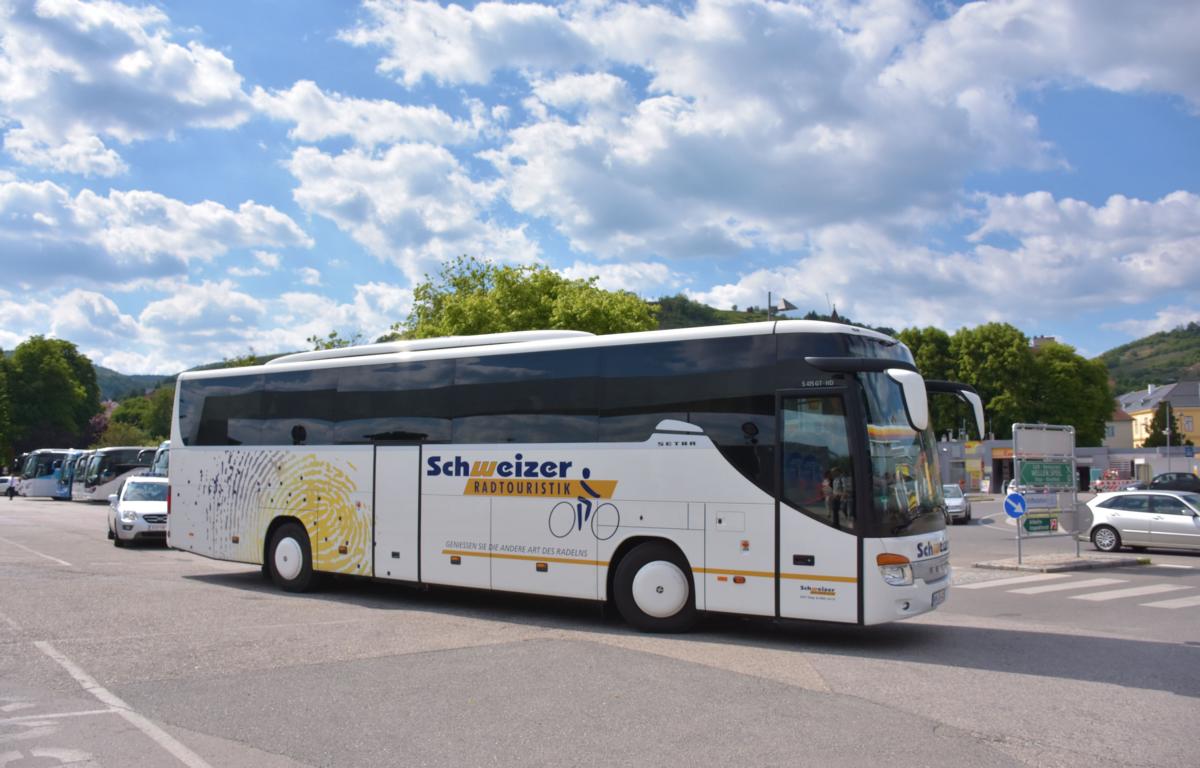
[895, 569]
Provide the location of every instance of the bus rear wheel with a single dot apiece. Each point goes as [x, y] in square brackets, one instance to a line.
[653, 591]
[289, 558]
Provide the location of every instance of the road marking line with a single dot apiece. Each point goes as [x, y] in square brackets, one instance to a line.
[1013, 580]
[34, 551]
[1116, 594]
[1178, 602]
[1173, 565]
[105, 696]
[57, 716]
[1069, 585]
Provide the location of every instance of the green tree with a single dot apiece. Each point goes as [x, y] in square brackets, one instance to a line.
[997, 361]
[1158, 429]
[932, 354]
[6, 436]
[1066, 388]
[122, 433]
[149, 413]
[471, 296]
[241, 361]
[52, 393]
[334, 341]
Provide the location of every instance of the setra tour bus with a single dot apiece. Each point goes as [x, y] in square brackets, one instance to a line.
[107, 469]
[42, 473]
[779, 469]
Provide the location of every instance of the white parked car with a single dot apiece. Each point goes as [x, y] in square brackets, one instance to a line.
[138, 511]
[1165, 519]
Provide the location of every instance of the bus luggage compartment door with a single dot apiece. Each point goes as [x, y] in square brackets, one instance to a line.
[397, 499]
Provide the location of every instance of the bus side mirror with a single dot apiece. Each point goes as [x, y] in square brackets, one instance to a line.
[916, 402]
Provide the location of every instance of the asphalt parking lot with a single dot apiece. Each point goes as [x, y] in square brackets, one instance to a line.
[150, 657]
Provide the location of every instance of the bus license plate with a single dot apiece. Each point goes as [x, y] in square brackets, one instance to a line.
[939, 597]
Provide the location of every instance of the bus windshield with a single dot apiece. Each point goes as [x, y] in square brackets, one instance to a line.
[105, 466]
[906, 495]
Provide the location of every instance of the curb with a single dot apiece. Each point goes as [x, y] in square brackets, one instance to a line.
[1069, 564]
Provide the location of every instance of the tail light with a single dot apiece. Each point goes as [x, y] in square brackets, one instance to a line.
[168, 498]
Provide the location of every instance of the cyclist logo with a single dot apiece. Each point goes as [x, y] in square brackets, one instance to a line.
[566, 517]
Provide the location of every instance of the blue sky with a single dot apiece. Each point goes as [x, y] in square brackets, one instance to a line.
[181, 182]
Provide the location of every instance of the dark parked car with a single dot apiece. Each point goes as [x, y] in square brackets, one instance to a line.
[1169, 481]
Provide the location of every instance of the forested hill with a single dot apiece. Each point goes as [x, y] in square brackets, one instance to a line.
[1161, 358]
[118, 386]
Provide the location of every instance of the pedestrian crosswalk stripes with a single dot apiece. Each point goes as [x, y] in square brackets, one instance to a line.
[1061, 587]
[1117, 594]
[1013, 580]
[1085, 586]
[1176, 602]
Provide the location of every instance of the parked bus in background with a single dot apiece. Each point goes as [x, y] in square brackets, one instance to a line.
[72, 468]
[161, 465]
[778, 469]
[42, 474]
[78, 491]
[107, 468]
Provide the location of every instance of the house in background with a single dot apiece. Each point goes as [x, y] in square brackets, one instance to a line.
[1118, 431]
[1184, 398]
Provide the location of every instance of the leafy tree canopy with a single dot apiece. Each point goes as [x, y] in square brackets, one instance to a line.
[122, 433]
[52, 393]
[333, 340]
[151, 413]
[471, 296]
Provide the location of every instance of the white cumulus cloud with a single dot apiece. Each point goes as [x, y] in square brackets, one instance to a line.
[126, 235]
[77, 78]
[411, 204]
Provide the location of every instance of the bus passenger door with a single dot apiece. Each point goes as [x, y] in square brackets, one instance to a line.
[397, 502]
[818, 543]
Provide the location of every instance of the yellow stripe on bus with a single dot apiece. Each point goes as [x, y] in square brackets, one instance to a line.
[771, 575]
[530, 558]
[604, 563]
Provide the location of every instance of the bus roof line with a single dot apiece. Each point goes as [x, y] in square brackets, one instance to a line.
[526, 341]
[417, 345]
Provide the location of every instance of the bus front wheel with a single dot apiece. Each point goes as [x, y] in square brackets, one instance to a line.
[290, 558]
[653, 589]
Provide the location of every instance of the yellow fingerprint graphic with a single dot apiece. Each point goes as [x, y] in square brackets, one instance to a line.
[320, 494]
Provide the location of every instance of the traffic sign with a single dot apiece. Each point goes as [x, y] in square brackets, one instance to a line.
[1040, 524]
[1014, 505]
[1047, 474]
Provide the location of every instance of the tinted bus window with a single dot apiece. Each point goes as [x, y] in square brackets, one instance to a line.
[222, 411]
[404, 402]
[539, 397]
[299, 407]
[711, 382]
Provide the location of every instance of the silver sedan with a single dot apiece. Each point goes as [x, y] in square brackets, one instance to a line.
[1167, 519]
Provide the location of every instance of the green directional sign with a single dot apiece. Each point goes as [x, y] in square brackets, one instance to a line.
[1040, 524]
[1047, 474]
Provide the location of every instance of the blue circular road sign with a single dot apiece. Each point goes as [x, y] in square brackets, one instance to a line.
[1014, 505]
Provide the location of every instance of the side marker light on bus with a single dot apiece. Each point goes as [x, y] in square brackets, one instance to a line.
[455, 560]
[543, 567]
[895, 569]
[739, 579]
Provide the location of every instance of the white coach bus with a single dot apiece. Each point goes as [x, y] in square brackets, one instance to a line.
[774, 469]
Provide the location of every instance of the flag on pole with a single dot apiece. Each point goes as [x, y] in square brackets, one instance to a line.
[784, 305]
